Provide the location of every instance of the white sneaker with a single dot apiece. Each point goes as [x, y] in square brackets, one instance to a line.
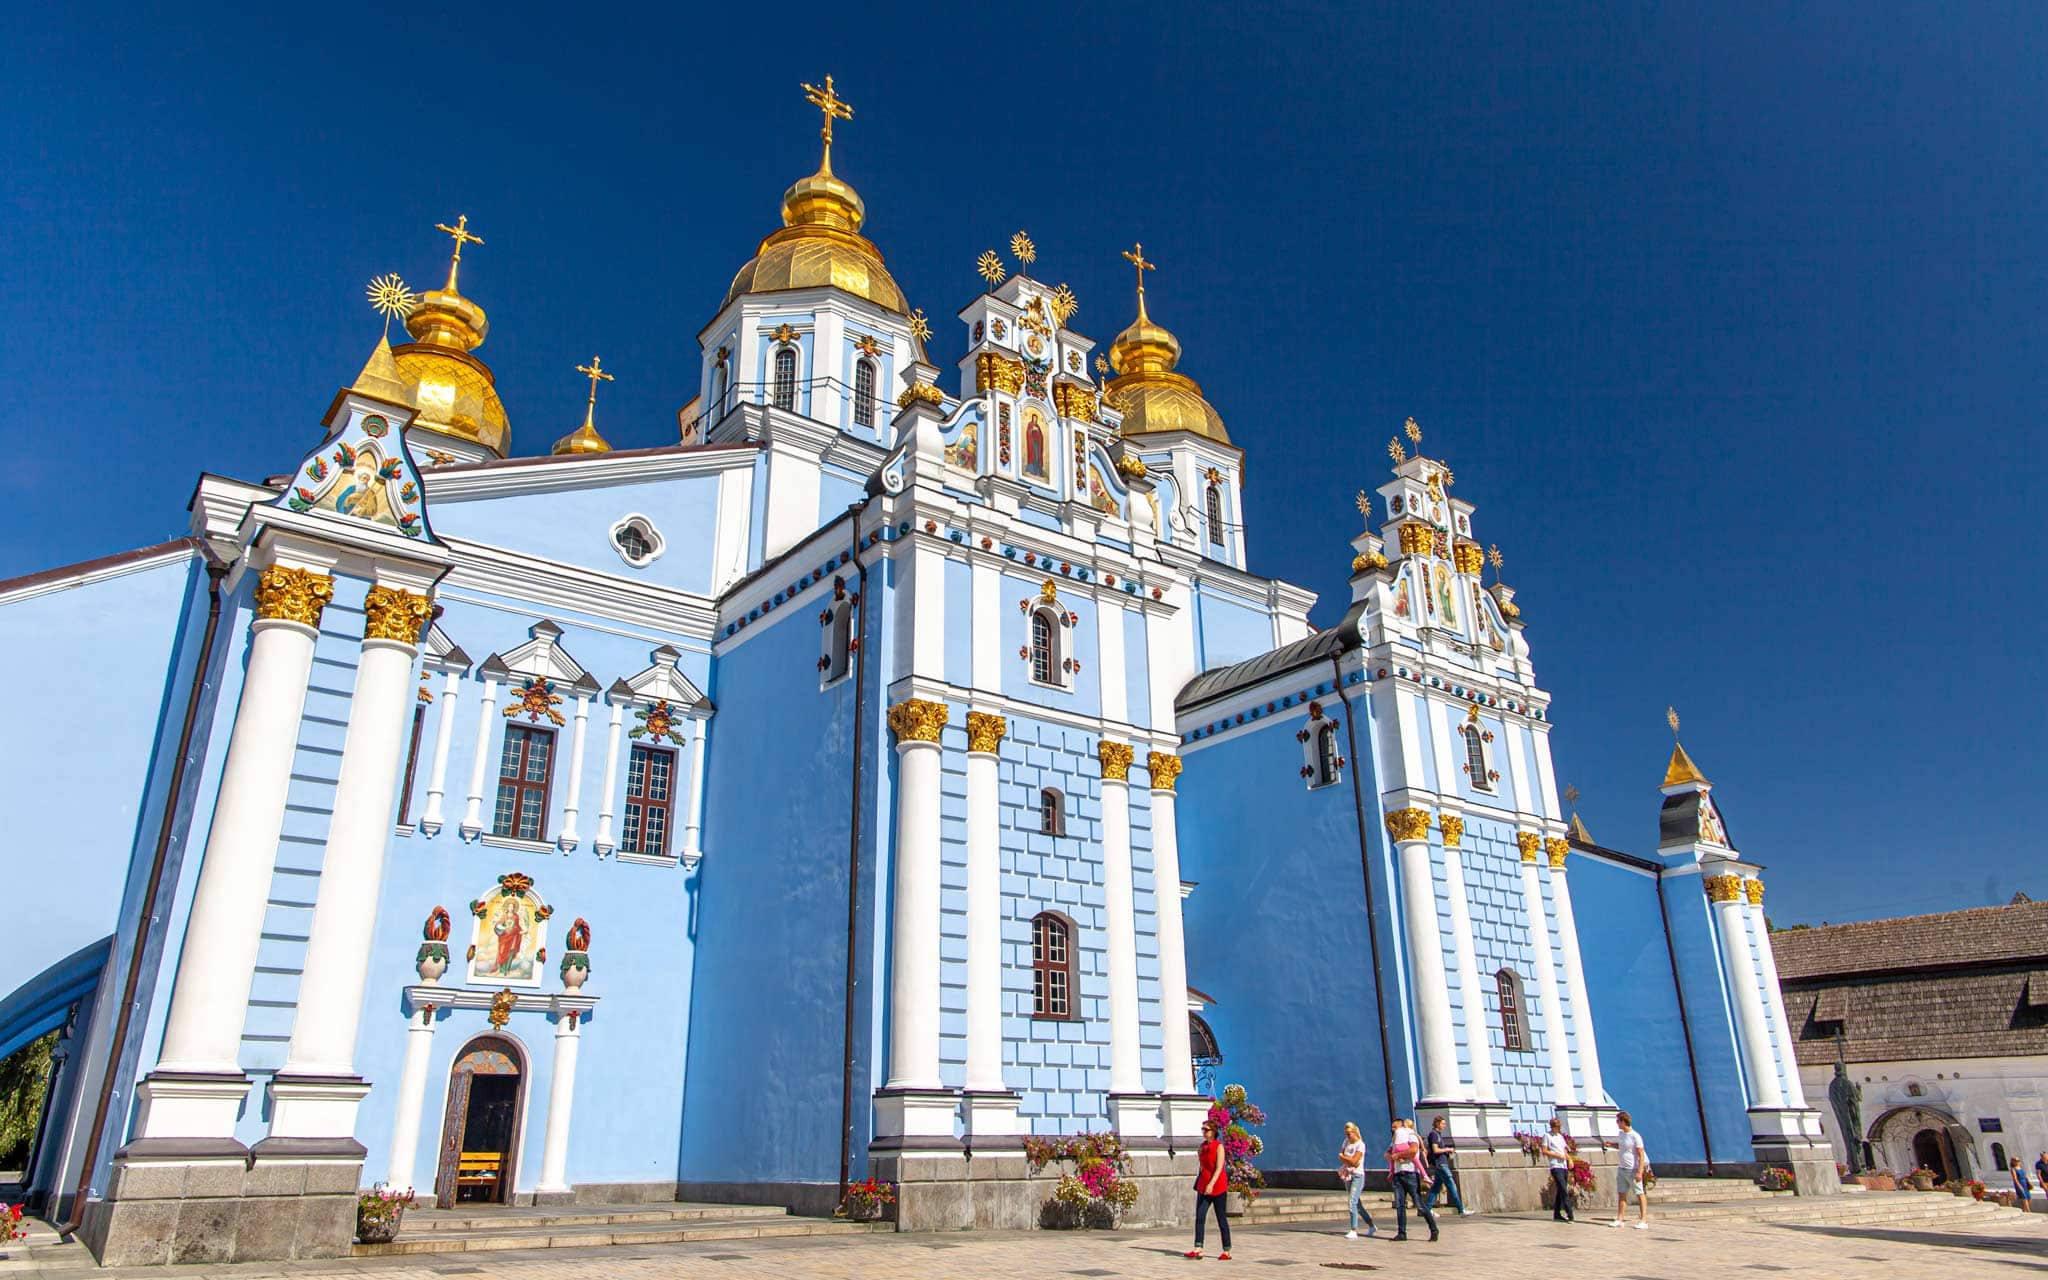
[1615, 1223]
[1466, 1213]
[1351, 1235]
[1642, 1226]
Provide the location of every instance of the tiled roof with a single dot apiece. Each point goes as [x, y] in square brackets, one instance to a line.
[1961, 984]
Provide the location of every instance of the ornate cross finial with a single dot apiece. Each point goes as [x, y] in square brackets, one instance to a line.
[1571, 796]
[1671, 718]
[595, 372]
[1495, 558]
[1064, 305]
[463, 236]
[389, 297]
[920, 328]
[1414, 433]
[1022, 249]
[990, 267]
[1396, 452]
[1135, 255]
[1364, 504]
[835, 108]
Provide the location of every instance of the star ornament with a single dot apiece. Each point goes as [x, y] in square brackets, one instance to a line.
[391, 299]
[990, 266]
[1022, 249]
[920, 328]
[1064, 304]
[1396, 452]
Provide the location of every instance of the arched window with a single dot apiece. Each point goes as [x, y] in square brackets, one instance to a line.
[718, 385]
[1052, 812]
[637, 541]
[1329, 765]
[1206, 1054]
[1046, 667]
[1215, 504]
[784, 391]
[1052, 966]
[1475, 758]
[836, 659]
[864, 393]
[1513, 1036]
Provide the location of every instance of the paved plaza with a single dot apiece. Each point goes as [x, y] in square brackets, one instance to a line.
[1526, 1248]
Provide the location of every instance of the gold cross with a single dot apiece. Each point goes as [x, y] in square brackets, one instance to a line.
[595, 370]
[1135, 255]
[834, 107]
[463, 236]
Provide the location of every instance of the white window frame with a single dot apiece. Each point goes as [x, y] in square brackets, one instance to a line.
[656, 544]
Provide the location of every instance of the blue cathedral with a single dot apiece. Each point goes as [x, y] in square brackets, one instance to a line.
[902, 762]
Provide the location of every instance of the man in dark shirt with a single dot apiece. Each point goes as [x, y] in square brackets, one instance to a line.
[1439, 1150]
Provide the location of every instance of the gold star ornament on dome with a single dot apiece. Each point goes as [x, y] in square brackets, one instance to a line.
[990, 267]
[390, 298]
[1396, 452]
[920, 328]
[1364, 504]
[1022, 249]
[1495, 558]
[1671, 718]
[1414, 432]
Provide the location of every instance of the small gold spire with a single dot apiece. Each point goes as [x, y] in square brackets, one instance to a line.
[380, 377]
[463, 236]
[1681, 769]
[835, 108]
[585, 438]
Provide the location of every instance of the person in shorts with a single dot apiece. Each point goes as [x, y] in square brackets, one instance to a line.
[1633, 1168]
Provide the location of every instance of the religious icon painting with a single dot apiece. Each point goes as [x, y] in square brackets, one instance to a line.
[1443, 596]
[509, 937]
[1401, 608]
[361, 472]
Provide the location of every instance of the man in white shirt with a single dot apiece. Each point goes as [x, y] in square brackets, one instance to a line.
[1629, 1178]
[1560, 1154]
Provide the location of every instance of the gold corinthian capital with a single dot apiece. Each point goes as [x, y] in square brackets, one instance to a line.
[1528, 842]
[916, 720]
[1755, 890]
[985, 732]
[292, 595]
[1558, 848]
[1165, 769]
[1116, 760]
[1408, 824]
[1723, 888]
[1453, 828]
[393, 613]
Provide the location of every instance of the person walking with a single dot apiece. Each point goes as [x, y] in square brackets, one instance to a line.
[1351, 1171]
[1212, 1187]
[2021, 1187]
[1560, 1154]
[1439, 1152]
[2041, 1171]
[1404, 1170]
[1632, 1173]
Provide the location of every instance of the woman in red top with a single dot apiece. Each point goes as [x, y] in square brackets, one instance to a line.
[1212, 1184]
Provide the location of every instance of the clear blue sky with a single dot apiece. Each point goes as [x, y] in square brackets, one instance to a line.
[1729, 320]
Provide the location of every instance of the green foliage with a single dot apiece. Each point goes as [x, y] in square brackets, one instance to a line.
[24, 1078]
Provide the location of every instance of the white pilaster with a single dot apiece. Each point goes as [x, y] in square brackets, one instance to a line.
[1173, 961]
[914, 928]
[604, 843]
[1575, 976]
[412, 1095]
[569, 838]
[693, 810]
[1761, 1067]
[554, 1156]
[473, 811]
[1471, 997]
[984, 912]
[444, 733]
[1120, 929]
[1410, 829]
[1563, 1092]
[1795, 1090]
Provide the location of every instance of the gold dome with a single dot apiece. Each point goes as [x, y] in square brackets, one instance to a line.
[454, 391]
[583, 439]
[820, 244]
[1151, 395]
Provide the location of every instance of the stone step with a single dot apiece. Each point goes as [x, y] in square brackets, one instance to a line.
[633, 1233]
[492, 1219]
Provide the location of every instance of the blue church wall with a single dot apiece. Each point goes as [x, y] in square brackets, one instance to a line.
[1137, 670]
[1228, 629]
[762, 1097]
[1277, 935]
[1083, 692]
[573, 526]
[1492, 864]
[960, 624]
[837, 490]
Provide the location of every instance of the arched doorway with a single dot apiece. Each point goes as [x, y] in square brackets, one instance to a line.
[480, 1126]
[1930, 1151]
[1206, 1053]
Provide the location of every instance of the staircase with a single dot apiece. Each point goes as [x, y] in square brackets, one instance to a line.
[474, 1229]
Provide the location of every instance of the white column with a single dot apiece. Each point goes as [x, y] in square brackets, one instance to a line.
[604, 843]
[1729, 908]
[1410, 829]
[1471, 999]
[1173, 960]
[984, 906]
[914, 928]
[568, 837]
[1120, 928]
[693, 811]
[352, 869]
[412, 1095]
[554, 1154]
[1563, 1092]
[203, 1032]
[1795, 1090]
[473, 813]
[444, 733]
[1575, 974]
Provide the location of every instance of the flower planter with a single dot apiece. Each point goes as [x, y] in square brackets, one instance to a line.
[1878, 1182]
[382, 1229]
[863, 1212]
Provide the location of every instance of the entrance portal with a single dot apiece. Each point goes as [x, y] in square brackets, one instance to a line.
[480, 1127]
[1930, 1151]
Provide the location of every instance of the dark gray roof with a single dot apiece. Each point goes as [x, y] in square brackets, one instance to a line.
[1312, 649]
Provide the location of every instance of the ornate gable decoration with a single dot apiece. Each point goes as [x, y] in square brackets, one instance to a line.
[548, 668]
[442, 654]
[662, 681]
[1712, 830]
[363, 472]
[508, 938]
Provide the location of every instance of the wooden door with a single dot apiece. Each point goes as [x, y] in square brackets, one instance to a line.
[490, 1113]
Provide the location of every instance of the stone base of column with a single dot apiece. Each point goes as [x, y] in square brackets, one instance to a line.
[190, 1104]
[1595, 1124]
[1487, 1126]
[1137, 1119]
[1181, 1116]
[208, 1200]
[1791, 1138]
[991, 1116]
[304, 1106]
[916, 1120]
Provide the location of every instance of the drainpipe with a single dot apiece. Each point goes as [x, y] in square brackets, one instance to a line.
[1691, 1063]
[216, 571]
[860, 681]
[1372, 925]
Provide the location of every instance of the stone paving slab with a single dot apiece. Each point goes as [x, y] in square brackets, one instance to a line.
[2009, 1244]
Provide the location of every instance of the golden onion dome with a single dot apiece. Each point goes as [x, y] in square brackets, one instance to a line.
[1151, 395]
[455, 392]
[820, 244]
[583, 439]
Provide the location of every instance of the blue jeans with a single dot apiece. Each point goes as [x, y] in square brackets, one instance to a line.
[1406, 1188]
[1442, 1177]
[1561, 1187]
[1358, 1209]
[1202, 1206]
